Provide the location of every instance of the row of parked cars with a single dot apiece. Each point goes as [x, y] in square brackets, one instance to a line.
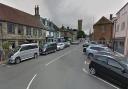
[108, 64]
[33, 50]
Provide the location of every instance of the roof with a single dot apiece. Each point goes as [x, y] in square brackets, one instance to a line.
[29, 44]
[103, 20]
[122, 7]
[14, 15]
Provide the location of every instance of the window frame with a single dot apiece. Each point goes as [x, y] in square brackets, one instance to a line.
[21, 29]
[35, 32]
[28, 31]
[101, 60]
[121, 67]
[10, 28]
[123, 26]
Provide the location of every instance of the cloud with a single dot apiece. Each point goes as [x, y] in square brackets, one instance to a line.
[67, 12]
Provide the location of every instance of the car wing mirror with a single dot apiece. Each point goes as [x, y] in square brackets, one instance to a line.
[123, 71]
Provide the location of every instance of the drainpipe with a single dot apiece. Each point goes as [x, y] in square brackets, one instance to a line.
[114, 33]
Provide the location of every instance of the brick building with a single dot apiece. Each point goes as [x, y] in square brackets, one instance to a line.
[103, 31]
[17, 27]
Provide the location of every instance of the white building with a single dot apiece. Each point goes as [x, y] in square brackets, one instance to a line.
[120, 33]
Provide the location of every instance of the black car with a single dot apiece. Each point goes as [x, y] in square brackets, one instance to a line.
[85, 46]
[48, 48]
[112, 67]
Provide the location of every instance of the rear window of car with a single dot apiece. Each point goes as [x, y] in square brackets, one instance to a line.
[101, 59]
[97, 48]
[114, 63]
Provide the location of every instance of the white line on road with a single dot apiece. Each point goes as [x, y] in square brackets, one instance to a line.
[31, 81]
[57, 58]
[101, 79]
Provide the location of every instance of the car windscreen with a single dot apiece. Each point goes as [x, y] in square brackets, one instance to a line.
[124, 62]
[44, 46]
[16, 49]
[97, 48]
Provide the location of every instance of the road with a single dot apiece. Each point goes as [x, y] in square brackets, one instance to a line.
[64, 69]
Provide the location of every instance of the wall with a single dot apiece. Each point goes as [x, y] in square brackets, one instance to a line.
[122, 16]
[107, 34]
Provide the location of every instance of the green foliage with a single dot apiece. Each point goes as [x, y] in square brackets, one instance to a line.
[81, 34]
[6, 45]
[6, 49]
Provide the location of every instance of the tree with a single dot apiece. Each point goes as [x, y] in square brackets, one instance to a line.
[81, 34]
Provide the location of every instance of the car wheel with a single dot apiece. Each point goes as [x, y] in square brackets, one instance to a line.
[55, 50]
[90, 56]
[35, 55]
[46, 53]
[17, 60]
[92, 71]
[126, 86]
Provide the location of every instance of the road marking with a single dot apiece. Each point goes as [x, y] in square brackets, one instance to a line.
[31, 81]
[58, 58]
[100, 79]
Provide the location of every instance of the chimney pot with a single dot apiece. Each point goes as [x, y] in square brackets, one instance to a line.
[111, 16]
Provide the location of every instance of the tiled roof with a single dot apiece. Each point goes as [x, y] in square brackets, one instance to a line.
[103, 20]
[10, 14]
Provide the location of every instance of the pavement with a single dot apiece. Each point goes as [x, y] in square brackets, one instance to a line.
[65, 69]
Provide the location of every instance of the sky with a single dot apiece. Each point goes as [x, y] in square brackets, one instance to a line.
[67, 12]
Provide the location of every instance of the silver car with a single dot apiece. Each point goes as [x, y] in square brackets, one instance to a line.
[93, 49]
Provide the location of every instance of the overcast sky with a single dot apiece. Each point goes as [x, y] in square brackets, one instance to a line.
[67, 12]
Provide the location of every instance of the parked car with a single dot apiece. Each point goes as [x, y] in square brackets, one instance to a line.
[93, 42]
[112, 67]
[75, 43]
[93, 49]
[85, 46]
[67, 44]
[60, 46]
[23, 52]
[48, 48]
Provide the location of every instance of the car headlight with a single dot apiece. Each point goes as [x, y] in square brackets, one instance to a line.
[44, 49]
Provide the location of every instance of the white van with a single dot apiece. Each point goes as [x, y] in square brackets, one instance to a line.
[23, 52]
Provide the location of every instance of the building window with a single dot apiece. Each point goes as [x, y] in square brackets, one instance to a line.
[121, 43]
[123, 26]
[34, 31]
[20, 30]
[118, 27]
[11, 28]
[40, 32]
[28, 30]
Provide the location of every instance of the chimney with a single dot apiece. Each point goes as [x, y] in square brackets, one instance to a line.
[37, 11]
[111, 16]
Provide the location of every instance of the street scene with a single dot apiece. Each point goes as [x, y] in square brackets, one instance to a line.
[44, 45]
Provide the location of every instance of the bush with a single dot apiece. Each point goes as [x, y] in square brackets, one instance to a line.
[81, 34]
[5, 47]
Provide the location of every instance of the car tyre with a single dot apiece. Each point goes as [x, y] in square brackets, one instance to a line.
[35, 56]
[17, 60]
[92, 71]
[46, 53]
[90, 56]
[55, 50]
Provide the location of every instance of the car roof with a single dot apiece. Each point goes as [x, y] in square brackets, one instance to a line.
[94, 45]
[115, 57]
[29, 44]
